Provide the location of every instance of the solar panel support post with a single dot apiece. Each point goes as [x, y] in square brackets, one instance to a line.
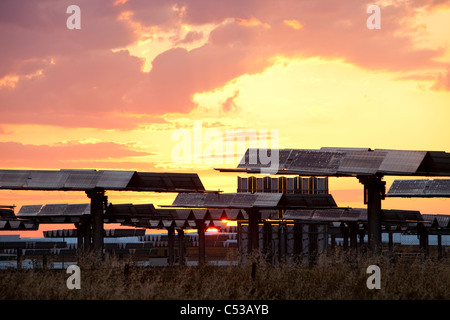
[282, 242]
[79, 227]
[254, 216]
[19, 254]
[439, 246]
[345, 234]
[98, 198]
[201, 241]
[83, 234]
[353, 231]
[170, 244]
[391, 240]
[423, 238]
[181, 248]
[374, 192]
[87, 236]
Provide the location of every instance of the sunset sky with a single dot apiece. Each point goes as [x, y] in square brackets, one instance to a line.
[111, 94]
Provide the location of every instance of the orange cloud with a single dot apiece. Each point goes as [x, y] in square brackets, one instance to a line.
[79, 82]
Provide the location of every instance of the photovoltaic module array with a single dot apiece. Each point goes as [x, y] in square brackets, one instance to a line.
[254, 200]
[345, 162]
[420, 188]
[83, 180]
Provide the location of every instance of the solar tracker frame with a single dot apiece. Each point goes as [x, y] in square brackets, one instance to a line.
[359, 161]
[83, 180]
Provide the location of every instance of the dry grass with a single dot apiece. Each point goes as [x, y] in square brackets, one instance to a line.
[332, 277]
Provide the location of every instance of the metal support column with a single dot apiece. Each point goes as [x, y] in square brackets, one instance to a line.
[201, 241]
[345, 234]
[282, 241]
[98, 198]
[439, 246]
[87, 236]
[353, 232]
[374, 192]
[181, 249]
[254, 216]
[391, 241]
[79, 227]
[171, 243]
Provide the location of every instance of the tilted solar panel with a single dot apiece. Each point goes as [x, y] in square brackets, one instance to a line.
[405, 187]
[316, 162]
[401, 161]
[29, 210]
[352, 161]
[361, 162]
[420, 188]
[68, 179]
[438, 187]
[53, 209]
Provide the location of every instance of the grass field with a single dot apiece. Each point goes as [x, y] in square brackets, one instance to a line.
[332, 277]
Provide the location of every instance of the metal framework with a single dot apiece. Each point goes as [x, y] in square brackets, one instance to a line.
[369, 166]
[95, 183]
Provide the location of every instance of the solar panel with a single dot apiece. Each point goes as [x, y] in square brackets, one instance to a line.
[403, 187]
[401, 215]
[81, 180]
[13, 178]
[438, 187]
[286, 156]
[355, 215]
[316, 162]
[90, 179]
[77, 209]
[29, 210]
[435, 163]
[307, 201]
[302, 214]
[441, 220]
[221, 200]
[327, 215]
[114, 179]
[53, 209]
[267, 199]
[401, 161]
[420, 188]
[189, 199]
[363, 162]
[46, 179]
[170, 181]
[243, 200]
[252, 158]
